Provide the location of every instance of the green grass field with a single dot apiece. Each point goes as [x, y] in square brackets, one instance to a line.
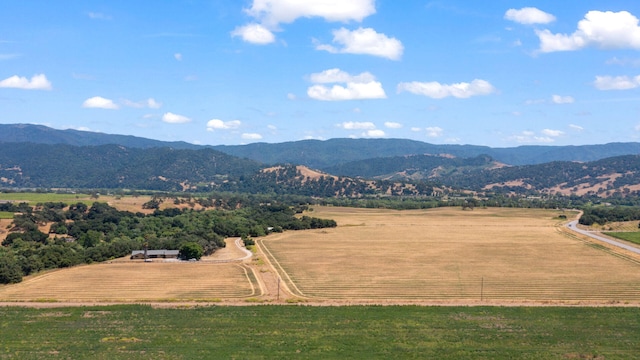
[6, 215]
[633, 237]
[287, 332]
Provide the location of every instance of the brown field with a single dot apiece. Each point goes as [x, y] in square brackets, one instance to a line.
[137, 281]
[499, 256]
[447, 253]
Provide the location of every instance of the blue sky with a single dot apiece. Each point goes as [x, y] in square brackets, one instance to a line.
[497, 73]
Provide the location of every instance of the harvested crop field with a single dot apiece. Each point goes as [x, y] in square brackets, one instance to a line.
[137, 281]
[491, 254]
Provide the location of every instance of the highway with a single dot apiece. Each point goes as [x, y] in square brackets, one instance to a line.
[573, 226]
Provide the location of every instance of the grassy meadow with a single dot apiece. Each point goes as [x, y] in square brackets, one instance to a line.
[490, 254]
[352, 332]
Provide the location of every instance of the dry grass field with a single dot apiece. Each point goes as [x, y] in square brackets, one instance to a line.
[137, 281]
[447, 253]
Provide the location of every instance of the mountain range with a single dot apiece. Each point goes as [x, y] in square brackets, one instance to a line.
[323, 154]
[34, 156]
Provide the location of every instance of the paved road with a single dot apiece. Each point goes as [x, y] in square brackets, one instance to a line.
[573, 226]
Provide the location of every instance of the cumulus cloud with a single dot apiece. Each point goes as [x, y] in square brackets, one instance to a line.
[269, 14]
[338, 76]
[439, 91]
[178, 56]
[217, 124]
[434, 131]
[392, 125]
[351, 125]
[364, 41]
[531, 137]
[98, 102]
[357, 87]
[37, 82]
[251, 136]
[150, 103]
[255, 34]
[529, 15]
[604, 30]
[374, 133]
[274, 12]
[552, 133]
[616, 82]
[576, 127]
[172, 118]
[558, 99]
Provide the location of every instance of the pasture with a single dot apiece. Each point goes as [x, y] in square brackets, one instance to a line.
[489, 255]
[308, 332]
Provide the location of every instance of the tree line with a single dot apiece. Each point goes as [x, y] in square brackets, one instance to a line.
[85, 234]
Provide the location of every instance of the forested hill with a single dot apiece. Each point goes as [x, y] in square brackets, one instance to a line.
[325, 154]
[115, 166]
[40, 134]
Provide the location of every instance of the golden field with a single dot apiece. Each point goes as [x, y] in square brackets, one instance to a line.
[374, 255]
[447, 253]
[137, 281]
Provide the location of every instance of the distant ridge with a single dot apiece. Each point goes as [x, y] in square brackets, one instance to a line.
[40, 134]
[325, 154]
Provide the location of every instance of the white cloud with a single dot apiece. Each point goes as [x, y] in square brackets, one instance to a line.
[172, 118]
[364, 41]
[531, 137]
[434, 131]
[274, 12]
[255, 34]
[438, 91]
[37, 82]
[558, 99]
[251, 136]
[392, 125]
[217, 124]
[99, 16]
[605, 30]
[358, 87]
[374, 133]
[529, 15]
[350, 125]
[338, 76]
[353, 91]
[292, 96]
[616, 83]
[623, 62]
[150, 103]
[98, 102]
[576, 127]
[178, 56]
[416, 129]
[552, 133]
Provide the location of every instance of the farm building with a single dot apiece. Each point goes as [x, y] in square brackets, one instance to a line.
[155, 254]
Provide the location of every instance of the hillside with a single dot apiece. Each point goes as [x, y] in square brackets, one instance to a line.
[39, 134]
[115, 166]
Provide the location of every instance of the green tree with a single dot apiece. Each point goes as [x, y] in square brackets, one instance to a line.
[10, 271]
[191, 250]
